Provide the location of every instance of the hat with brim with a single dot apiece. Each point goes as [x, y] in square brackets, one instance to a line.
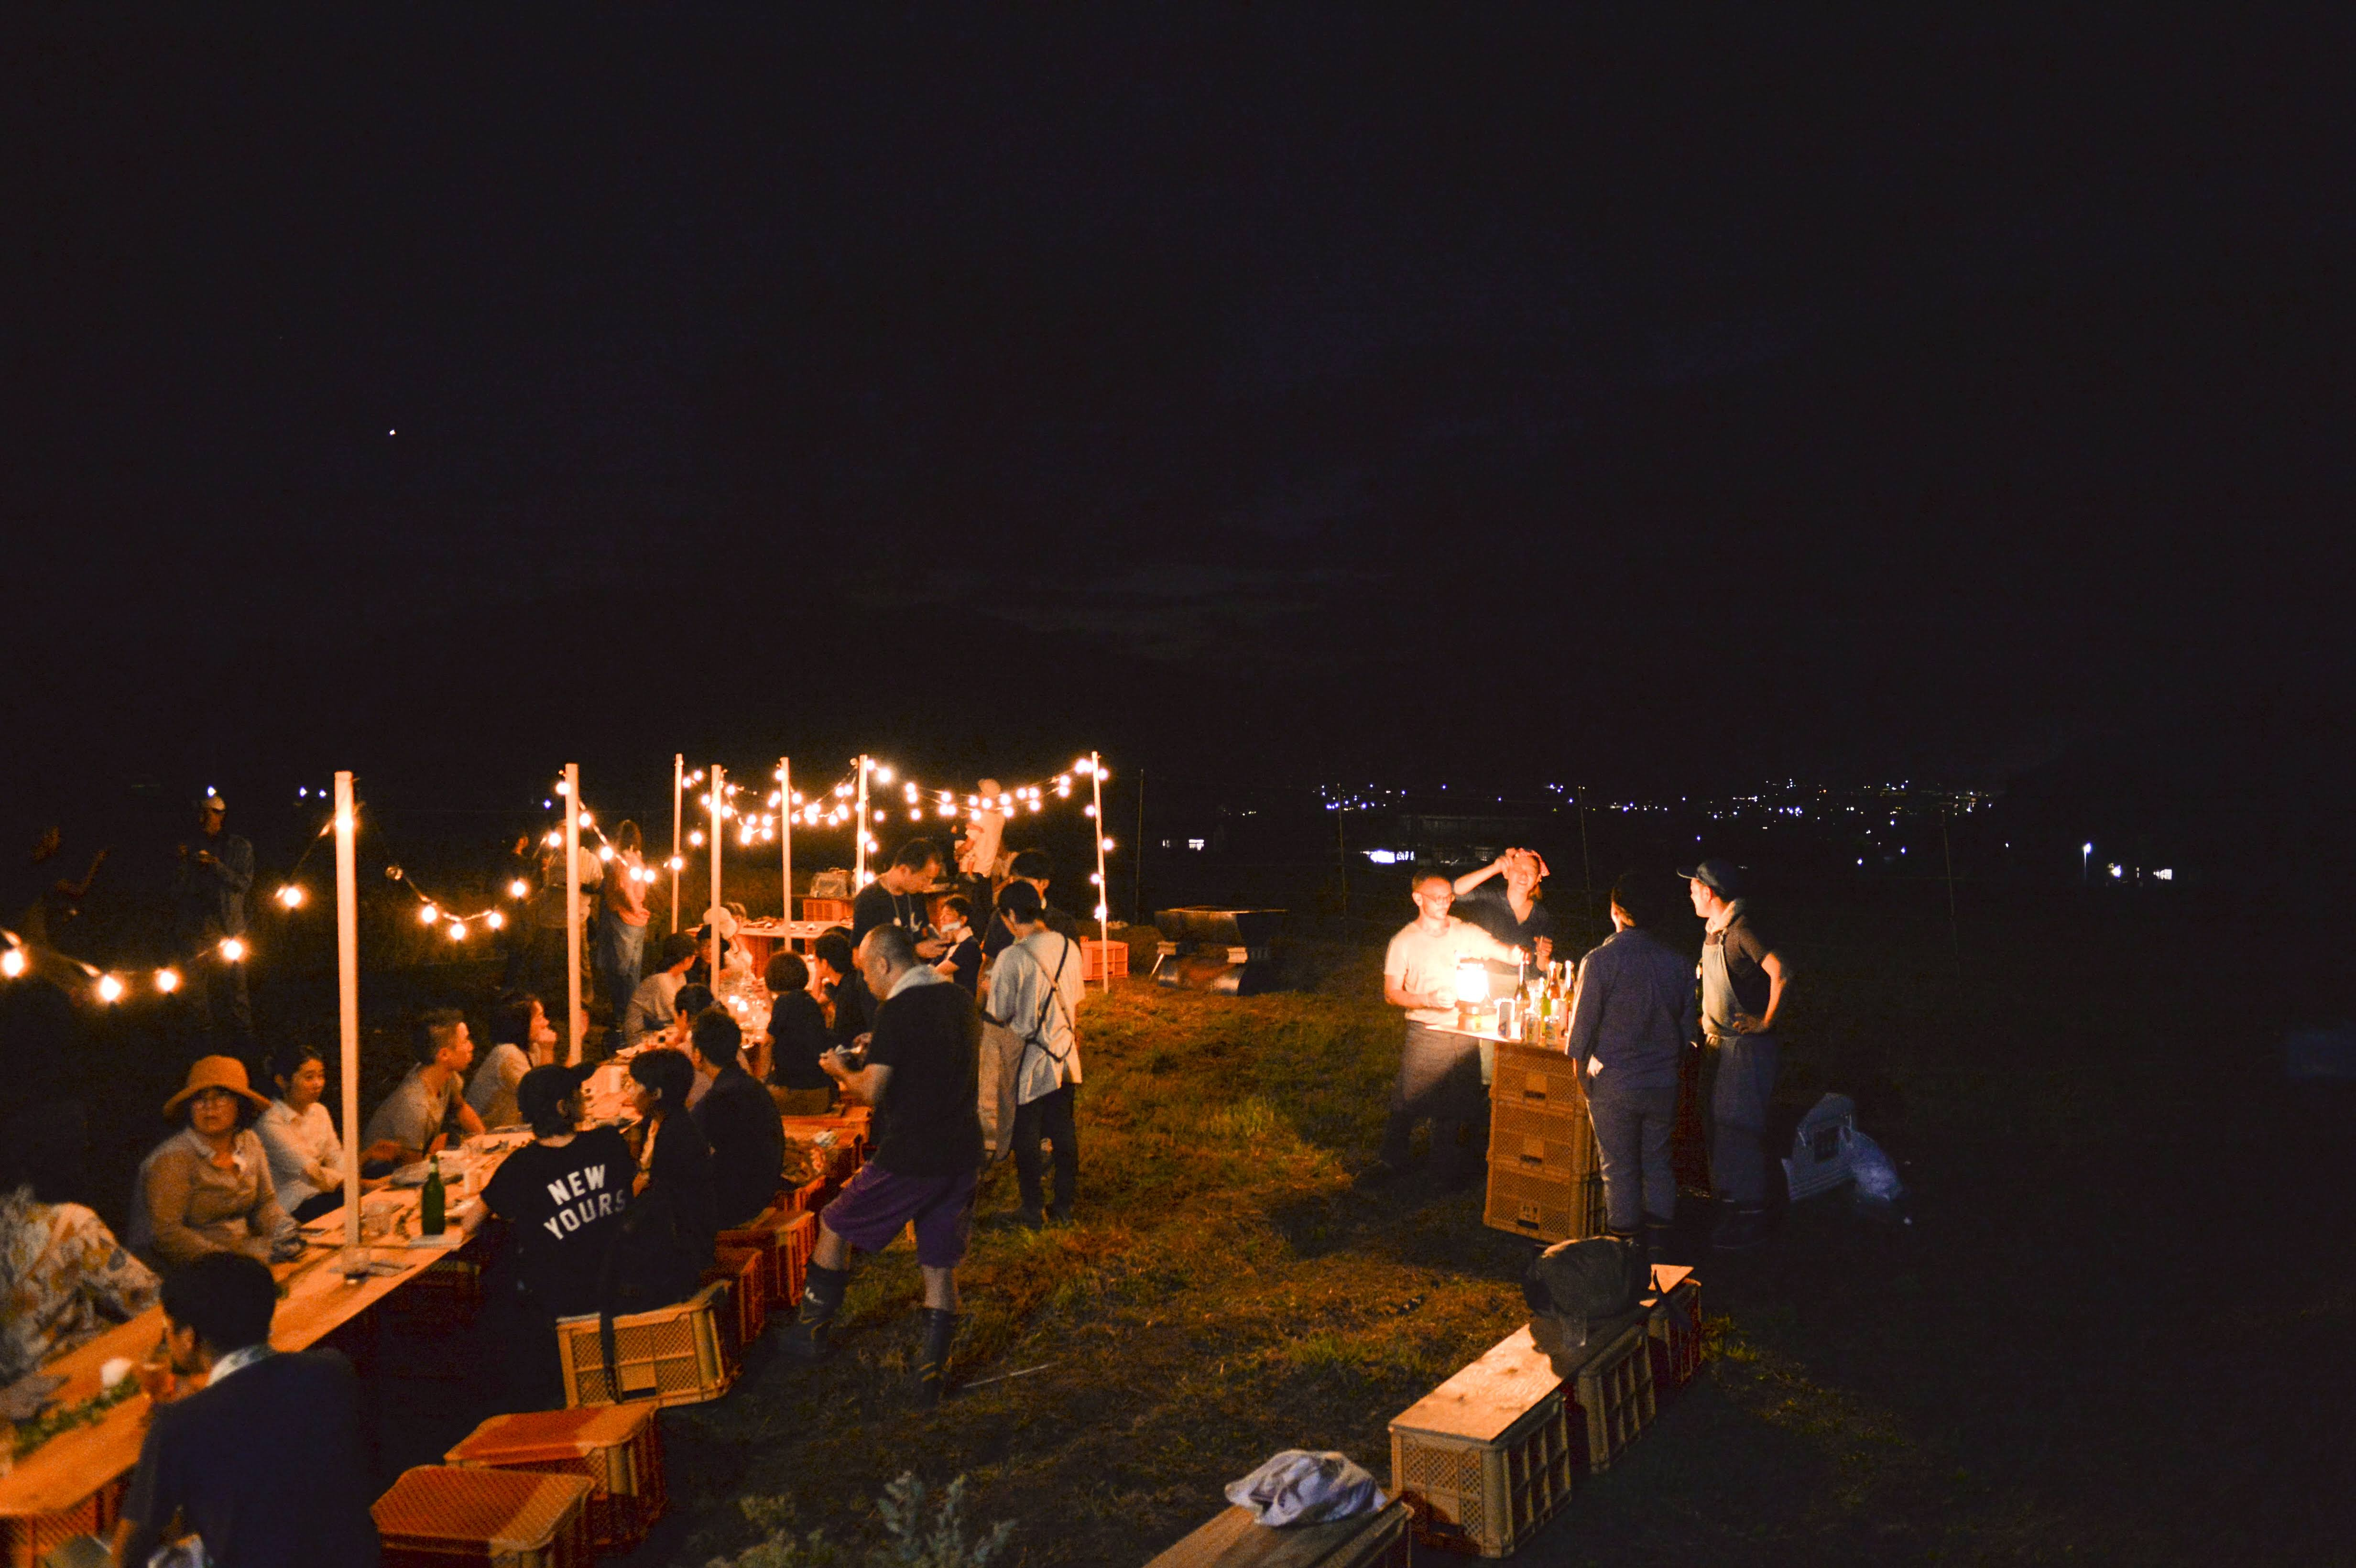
[723, 917]
[1722, 877]
[214, 1072]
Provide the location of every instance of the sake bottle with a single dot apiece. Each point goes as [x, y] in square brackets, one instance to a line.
[430, 1201]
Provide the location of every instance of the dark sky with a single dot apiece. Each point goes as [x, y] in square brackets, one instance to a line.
[1274, 390]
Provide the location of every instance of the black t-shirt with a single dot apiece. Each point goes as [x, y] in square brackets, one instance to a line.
[996, 939]
[564, 1203]
[929, 1123]
[966, 961]
[854, 1008]
[1487, 907]
[798, 1030]
[682, 1162]
[748, 1144]
[879, 905]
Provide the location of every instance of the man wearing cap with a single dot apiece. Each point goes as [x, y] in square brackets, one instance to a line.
[208, 907]
[1743, 983]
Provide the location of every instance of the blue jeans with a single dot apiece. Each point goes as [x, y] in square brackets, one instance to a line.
[1439, 1078]
[1738, 1078]
[619, 948]
[1632, 1128]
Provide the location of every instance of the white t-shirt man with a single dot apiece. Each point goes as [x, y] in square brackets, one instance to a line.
[1423, 956]
[984, 830]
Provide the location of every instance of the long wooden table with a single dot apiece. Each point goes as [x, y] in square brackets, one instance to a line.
[74, 1466]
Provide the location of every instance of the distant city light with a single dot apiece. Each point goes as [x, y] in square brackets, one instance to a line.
[2163, 875]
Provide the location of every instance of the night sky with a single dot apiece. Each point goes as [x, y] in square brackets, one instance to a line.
[1279, 392]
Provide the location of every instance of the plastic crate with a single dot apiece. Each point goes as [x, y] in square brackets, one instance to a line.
[1486, 1458]
[1820, 1148]
[785, 1238]
[439, 1516]
[1673, 1327]
[674, 1355]
[834, 911]
[617, 1446]
[801, 1246]
[807, 1198]
[746, 1272]
[1542, 1143]
[1105, 958]
[1544, 1207]
[1611, 1395]
[1235, 1539]
[25, 1538]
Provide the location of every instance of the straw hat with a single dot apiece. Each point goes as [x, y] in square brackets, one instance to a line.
[214, 1072]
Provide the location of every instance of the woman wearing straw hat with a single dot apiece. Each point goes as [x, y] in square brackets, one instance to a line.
[207, 1188]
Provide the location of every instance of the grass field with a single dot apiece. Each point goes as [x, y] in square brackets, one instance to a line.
[2116, 1330]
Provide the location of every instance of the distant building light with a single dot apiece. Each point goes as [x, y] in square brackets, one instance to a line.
[1194, 842]
[2118, 872]
[1165, 843]
[2163, 875]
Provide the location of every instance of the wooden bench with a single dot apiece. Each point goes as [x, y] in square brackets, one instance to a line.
[1235, 1539]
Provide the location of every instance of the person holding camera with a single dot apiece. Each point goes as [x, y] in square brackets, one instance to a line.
[922, 1073]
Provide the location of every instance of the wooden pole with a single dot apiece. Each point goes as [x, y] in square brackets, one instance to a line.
[572, 914]
[858, 839]
[1104, 888]
[719, 802]
[786, 839]
[347, 1011]
[678, 787]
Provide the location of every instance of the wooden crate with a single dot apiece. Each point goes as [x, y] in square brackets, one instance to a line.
[25, 1538]
[1673, 1327]
[836, 912]
[1546, 1143]
[439, 1516]
[1486, 1458]
[1544, 1207]
[1105, 958]
[746, 1272]
[674, 1355]
[1612, 1394]
[1234, 1540]
[617, 1446]
[1534, 1078]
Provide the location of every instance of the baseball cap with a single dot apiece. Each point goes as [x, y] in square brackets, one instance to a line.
[1722, 877]
[544, 1088]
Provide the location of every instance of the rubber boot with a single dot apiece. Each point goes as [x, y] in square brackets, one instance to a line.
[1743, 1230]
[1660, 1235]
[936, 1328]
[821, 1298]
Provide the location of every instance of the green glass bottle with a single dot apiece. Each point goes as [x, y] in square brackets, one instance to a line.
[430, 1201]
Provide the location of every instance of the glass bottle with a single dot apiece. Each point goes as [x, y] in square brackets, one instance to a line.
[430, 1201]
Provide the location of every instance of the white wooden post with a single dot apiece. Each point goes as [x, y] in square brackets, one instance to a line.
[1104, 887]
[572, 914]
[719, 801]
[678, 784]
[347, 1011]
[786, 840]
[859, 844]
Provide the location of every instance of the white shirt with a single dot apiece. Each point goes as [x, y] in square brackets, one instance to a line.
[982, 833]
[295, 1141]
[237, 1361]
[1424, 962]
[1020, 991]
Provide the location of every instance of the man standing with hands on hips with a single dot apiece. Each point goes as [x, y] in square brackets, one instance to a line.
[1744, 985]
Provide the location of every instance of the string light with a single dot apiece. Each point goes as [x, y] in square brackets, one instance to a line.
[12, 963]
[233, 949]
[291, 896]
[110, 989]
[167, 980]
[495, 920]
[428, 915]
[518, 889]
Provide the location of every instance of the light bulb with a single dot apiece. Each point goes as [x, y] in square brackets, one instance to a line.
[167, 980]
[1107, 844]
[495, 920]
[457, 930]
[291, 896]
[555, 836]
[1102, 913]
[12, 963]
[563, 788]
[1088, 810]
[518, 889]
[679, 863]
[879, 816]
[797, 798]
[110, 989]
[605, 851]
[428, 915]
[882, 775]
[916, 814]
[233, 949]
[696, 838]
[587, 821]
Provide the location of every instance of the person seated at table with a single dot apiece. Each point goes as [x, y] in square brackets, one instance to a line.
[307, 1158]
[694, 997]
[521, 1039]
[416, 1118]
[651, 1009]
[267, 1463]
[563, 1195]
[206, 1188]
[748, 1145]
[798, 1038]
[1509, 908]
[960, 958]
[64, 1279]
[849, 1007]
[672, 1154]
